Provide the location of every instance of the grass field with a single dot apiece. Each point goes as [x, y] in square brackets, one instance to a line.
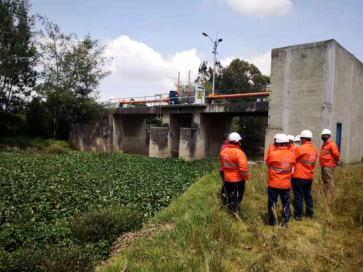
[61, 211]
[204, 237]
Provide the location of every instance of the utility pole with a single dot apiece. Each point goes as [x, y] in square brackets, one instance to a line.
[215, 46]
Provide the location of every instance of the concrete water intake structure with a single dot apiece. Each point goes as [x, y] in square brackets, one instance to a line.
[313, 86]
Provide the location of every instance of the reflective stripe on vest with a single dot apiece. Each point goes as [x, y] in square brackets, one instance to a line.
[325, 152]
[306, 162]
[244, 173]
[281, 170]
[230, 165]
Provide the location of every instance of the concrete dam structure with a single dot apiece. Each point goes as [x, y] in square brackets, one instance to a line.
[189, 131]
[313, 86]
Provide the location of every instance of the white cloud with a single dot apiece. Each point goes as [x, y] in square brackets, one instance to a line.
[139, 70]
[261, 60]
[259, 8]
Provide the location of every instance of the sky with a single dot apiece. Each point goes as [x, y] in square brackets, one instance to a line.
[150, 41]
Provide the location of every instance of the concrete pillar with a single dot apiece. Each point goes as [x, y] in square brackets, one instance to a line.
[159, 142]
[134, 138]
[200, 129]
[117, 134]
[188, 144]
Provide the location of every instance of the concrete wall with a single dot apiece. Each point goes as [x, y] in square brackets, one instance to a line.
[96, 137]
[112, 133]
[315, 86]
[347, 106]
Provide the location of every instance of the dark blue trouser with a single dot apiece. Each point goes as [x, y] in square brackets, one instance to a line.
[221, 173]
[302, 190]
[273, 194]
[235, 191]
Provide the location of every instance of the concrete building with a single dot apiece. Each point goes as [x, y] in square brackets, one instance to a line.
[315, 86]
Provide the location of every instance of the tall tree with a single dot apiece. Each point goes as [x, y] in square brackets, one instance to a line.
[238, 76]
[18, 55]
[72, 70]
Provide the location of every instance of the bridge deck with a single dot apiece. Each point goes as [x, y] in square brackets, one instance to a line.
[236, 109]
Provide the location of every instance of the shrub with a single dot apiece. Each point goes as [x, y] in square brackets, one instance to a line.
[56, 149]
[57, 259]
[107, 224]
[38, 143]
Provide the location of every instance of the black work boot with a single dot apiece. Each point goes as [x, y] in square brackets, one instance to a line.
[298, 218]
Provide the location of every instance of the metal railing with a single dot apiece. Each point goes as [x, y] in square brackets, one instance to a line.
[163, 99]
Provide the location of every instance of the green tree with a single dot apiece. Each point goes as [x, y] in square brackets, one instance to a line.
[237, 77]
[18, 57]
[72, 71]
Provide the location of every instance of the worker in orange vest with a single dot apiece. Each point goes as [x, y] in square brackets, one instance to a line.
[280, 164]
[329, 159]
[291, 143]
[302, 180]
[272, 147]
[235, 168]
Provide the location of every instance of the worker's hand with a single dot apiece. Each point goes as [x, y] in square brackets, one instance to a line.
[339, 163]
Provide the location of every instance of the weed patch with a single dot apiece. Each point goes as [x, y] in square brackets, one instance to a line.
[106, 224]
[207, 238]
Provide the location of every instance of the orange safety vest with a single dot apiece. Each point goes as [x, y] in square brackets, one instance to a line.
[306, 155]
[292, 148]
[271, 147]
[329, 154]
[234, 164]
[280, 164]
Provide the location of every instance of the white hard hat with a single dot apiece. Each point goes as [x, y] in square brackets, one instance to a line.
[282, 138]
[276, 135]
[297, 138]
[234, 137]
[326, 131]
[291, 137]
[306, 134]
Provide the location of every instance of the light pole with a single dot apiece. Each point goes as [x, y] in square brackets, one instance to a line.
[215, 46]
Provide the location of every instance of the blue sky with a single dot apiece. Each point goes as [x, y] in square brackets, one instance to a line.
[151, 40]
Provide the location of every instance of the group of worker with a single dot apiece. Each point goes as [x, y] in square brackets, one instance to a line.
[291, 162]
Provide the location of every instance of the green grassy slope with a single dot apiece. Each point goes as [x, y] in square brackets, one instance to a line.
[207, 238]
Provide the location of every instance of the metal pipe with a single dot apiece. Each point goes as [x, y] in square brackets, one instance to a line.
[224, 96]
